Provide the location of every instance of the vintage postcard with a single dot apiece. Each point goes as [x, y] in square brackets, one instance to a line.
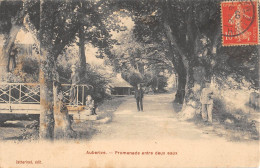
[129, 83]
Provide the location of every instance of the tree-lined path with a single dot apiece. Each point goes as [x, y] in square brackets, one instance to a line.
[158, 121]
[159, 126]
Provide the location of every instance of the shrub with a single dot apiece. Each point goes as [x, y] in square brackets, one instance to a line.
[234, 118]
[99, 83]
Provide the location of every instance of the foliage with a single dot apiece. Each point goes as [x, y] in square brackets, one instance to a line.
[9, 10]
[168, 35]
[162, 83]
[99, 83]
[136, 59]
[28, 70]
[132, 76]
[240, 64]
[192, 33]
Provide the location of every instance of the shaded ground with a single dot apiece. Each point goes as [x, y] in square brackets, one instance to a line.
[122, 121]
[19, 130]
[85, 130]
[27, 128]
[157, 129]
[160, 121]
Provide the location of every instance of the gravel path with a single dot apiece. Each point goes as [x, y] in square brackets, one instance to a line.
[157, 128]
[158, 121]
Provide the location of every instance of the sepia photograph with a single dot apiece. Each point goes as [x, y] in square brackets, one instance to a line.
[129, 83]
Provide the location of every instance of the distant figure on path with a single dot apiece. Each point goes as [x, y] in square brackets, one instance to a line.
[74, 81]
[206, 100]
[139, 94]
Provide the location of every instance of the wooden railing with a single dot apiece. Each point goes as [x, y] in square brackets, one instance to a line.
[80, 91]
[29, 93]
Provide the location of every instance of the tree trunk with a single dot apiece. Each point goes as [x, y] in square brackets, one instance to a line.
[16, 24]
[194, 85]
[181, 71]
[46, 98]
[46, 84]
[49, 52]
[82, 56]
[4, 67]
[82, 51]
[180, 63]
[62, 127]
[180, 93]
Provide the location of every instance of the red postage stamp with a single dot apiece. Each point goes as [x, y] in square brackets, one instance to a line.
[239, 23]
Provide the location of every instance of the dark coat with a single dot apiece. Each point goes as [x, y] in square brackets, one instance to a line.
[139, 93]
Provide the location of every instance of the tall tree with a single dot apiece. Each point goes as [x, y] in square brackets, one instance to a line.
[11, 16]
[57, 24]
[193, 33]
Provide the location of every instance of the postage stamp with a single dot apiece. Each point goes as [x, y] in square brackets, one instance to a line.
[239, 23]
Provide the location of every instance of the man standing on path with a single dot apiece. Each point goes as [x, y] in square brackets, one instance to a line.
[74, 81]
[139, 94]
[206, 100]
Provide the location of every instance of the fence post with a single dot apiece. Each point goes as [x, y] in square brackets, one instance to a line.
[77, 95]
[20, 93]
[83, 92]
[39, 88]
[9, 94]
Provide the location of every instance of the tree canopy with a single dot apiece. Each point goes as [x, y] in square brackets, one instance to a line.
[179, 36]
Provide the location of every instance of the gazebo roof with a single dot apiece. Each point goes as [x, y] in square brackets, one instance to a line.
[119, 82]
